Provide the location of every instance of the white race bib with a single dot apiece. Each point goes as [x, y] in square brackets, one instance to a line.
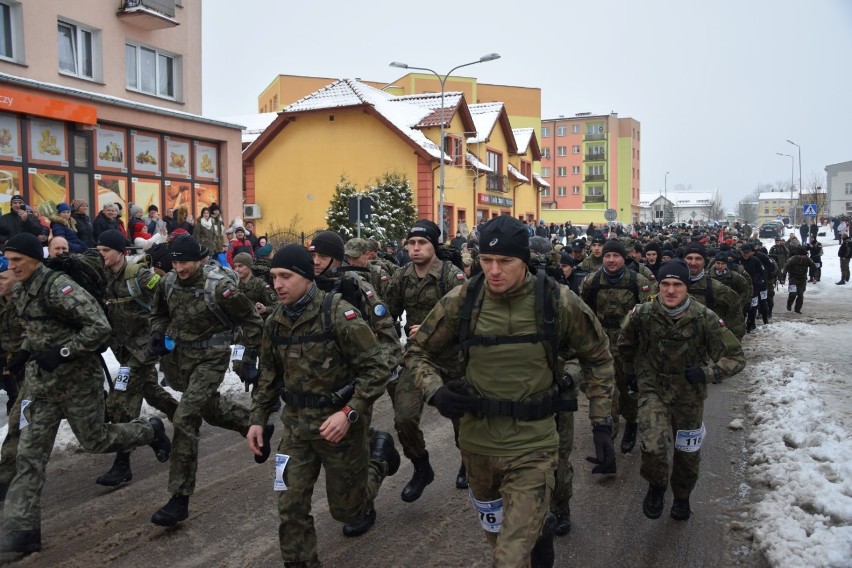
[791, 288]
[238, 352]
[764, 295]
[122, 379]
[22, 423]
[690, 440]
[754, 302]
[280, 463]
[490, 513]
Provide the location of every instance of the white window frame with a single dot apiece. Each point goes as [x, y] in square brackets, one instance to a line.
[545, 172]
[545, 192]
[596, 170]
[12, 32]
[561, 130]
[595, 190]
[83, 38]
[545, 132]
[561, 191]
[575, 169]
[561, 171]
[575, 190]
[545, 153]
[562, 151]
[849, 189]
[159, 56]
[575, 149]
[575, 128]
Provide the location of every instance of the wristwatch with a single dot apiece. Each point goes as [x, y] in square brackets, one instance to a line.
[351, 415]
[64, 352]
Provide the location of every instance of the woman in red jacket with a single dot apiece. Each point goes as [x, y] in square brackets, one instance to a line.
[239, 244]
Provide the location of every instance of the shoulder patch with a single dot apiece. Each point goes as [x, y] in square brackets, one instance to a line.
[227, 293]
[67, 290]
[460, 276]
[152, 283]
[369, 293]
[722, 323]
[350, 314]
[380, 310]
[384, 277]
[646, 288]
[634, 310]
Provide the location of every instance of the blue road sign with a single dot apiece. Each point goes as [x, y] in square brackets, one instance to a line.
[809, 210]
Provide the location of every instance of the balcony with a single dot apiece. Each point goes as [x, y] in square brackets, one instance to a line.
[594, 199]
[596, 157]
[149, 14]
[595, 177]
[597, 136]
[496, 182]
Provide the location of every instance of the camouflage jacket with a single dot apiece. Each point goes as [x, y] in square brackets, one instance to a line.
[417, 296]
[797, 268]
[186, 317]
[319, 367]
[124, 307]
[257, 290]
[614, 300]
[11, 329]
[781, 254]
[726, 302]
[592, 263]
[379, 278]
[655, 345]
[511, 371]
[735, 282]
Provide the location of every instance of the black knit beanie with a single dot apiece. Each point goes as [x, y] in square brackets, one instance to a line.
[295, 258]
[428, 230]
[694, 247]
[615, 246]
[160, 258]
[328, 243]
[26, 244]
[674, 269]
[113, 239]
[505, 235]
[186, 248]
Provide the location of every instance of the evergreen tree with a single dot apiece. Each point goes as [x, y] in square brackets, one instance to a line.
[393, 211]
[338, 209]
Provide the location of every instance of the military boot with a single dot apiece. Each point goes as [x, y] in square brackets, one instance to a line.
[119, 473]
[267, 444]
[423, 476]
[542, 553]
[25, 542]
[628, 441]
[563, 523]
[161, 445]
[382, 449]
[175, 511]
[461, 478]
[360, 525]
[680, 509]
[652, 506]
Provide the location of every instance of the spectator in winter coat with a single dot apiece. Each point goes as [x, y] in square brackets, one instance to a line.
[140, 237]
[814, 249]
[154, 223]
[106, 220]
[814, 229]
[18, 220]
[207, 232]
[238, 245]
[803, 230]
[250, 234]
[62, 225]
[80, 214]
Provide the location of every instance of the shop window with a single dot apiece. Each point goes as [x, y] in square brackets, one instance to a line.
[153, 72]
[78, 50]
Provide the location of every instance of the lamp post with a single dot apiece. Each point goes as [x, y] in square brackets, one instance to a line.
[801, 189]
[792, 185]
[666, 192]
[443, 80]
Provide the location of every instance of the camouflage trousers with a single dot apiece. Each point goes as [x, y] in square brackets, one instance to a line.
[668, 403]
[197, 373]
[563, 489]
[623, 403]
[798, 296]
[351, 480]
[525, 484]
[81, 403]
[407, 400]
[9, 449]
[127, 404]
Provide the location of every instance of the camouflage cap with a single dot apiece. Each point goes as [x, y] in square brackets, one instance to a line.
[356, 247]
[373, 244]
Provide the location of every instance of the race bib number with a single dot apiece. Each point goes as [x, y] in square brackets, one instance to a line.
[280, 477]
[690, 440]
[490, 513]
[791, 288]
[239, 351]
[754, 302]
[122, 379]
[23, 423]
[764, 295]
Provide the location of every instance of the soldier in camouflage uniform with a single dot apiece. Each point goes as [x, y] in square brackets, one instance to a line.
[375, 256]
[780, 252]
[415, 290]
[200, 339]
[11, 338]
[732, 279]
[510, 451]
[611, 292]
[252, 287]
[357, 253]
[65, 329]
[595, 260]
[796, 272]
[723, 300]
[318, 349]
[673, 347]
[129, 292]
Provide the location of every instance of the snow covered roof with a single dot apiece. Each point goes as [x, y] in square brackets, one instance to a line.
[540, 180]
[781, 195]
[485, 116]
[513, 171]
[432, 101]
[523, 137]
[474, 162]
[684, 198]
[254, 124]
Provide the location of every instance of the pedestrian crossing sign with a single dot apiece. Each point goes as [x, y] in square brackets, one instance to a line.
[809, 210]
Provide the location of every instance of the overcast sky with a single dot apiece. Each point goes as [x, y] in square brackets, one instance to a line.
[718, 86]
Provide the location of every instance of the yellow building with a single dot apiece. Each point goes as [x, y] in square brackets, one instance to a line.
[351, 129]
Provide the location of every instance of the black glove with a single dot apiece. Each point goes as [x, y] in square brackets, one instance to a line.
[17, 363]
[695, 375]
[157, 344]
[632, 384]
[450, 402]
[605, 453]
[248, 370]
[50, 360]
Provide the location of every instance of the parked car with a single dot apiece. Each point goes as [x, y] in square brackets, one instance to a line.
[771, 229]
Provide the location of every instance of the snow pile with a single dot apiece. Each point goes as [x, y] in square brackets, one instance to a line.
[803, 456]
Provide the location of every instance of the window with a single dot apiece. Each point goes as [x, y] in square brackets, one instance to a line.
[575, 169]
[595, 190]
[561, 171]
[562, 151]
[453, 149]
[545, 172]
[77, 50]
[596, 150]
[494, 182]
[526, 169]
[151, 71]
[545, 192]
[849, 189]
[575, 190]
[766, 211]
[545, 153]
[575, 128]
[561, 191]
[561, 130]
[575, 149]
[596, 170]
[545, 132]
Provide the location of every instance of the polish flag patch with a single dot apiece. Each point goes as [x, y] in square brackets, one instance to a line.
[384, 277]
[460, 276]
[645, 288]
[350, 314]
[67, 290]
[722, 324]
[226, 294]
[369, 293]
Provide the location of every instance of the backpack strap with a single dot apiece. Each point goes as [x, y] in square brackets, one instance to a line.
[327, 334]
[708, 293]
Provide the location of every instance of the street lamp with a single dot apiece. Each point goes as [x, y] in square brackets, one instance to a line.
[792, 185]
[666, 192]
[443, 80]
[801, 189]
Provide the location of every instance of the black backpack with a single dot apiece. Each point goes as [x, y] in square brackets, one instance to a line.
[86, 269]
